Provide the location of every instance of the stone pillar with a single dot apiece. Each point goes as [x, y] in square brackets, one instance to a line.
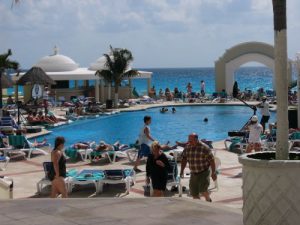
[102, 90]
[76, 84]
[130, 87]
[148, 85]
[97, 90]
[16, 93]
[27, 92]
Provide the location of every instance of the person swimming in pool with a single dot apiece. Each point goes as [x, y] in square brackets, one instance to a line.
[163, 110]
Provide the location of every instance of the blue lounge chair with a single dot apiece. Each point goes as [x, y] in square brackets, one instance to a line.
[89, 176]
[120, 176]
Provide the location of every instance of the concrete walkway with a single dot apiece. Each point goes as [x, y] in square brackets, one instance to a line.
[115, 211]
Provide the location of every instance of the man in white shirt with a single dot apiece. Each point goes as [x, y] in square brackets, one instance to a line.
[202, 88]
[255, 130]
[265, 112]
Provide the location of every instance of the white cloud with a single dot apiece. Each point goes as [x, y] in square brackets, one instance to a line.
[261, 5]
[84, 29]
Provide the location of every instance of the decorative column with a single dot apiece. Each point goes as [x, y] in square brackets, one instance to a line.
[97, 90]
[102, 90]
[148, 85]
[298, 86]
[16, 93]
[130, 87]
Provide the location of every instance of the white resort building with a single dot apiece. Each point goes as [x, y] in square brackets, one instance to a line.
[72, 80]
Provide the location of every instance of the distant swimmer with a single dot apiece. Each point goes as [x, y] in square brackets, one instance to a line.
[163, 110]
[205, 120]
[173, 110]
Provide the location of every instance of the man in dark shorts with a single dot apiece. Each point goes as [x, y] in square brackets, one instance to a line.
[200, 159]
[145, 140]
[265, 112]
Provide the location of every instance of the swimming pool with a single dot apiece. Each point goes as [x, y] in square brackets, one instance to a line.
[165, 127]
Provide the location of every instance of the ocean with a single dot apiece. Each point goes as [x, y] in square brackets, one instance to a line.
[251, 78]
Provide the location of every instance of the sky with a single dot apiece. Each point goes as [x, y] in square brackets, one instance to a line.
[159, 33]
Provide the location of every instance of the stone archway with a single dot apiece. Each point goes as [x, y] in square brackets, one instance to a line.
[238, 55]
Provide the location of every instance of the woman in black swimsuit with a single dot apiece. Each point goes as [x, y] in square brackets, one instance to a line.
[59, 165]
[157, 169]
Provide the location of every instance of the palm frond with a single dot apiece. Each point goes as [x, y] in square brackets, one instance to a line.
[105, 74]
[131, 73]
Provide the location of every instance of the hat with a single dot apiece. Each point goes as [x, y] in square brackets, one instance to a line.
[254, 119]
[264, 98]
[102, 143]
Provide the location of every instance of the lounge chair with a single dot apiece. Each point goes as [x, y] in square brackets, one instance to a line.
[120, 176]
[4, 159]
[218, 170]
[20, 142]
[294, 141]
[45, 181]
[123, 153]
[89, 176]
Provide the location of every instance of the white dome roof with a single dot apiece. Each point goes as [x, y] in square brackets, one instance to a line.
[56, 63]
[99, 64]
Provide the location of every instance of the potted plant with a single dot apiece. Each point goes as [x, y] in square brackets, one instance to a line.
[271, 179]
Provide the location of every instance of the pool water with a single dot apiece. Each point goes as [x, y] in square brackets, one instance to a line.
[126, 126]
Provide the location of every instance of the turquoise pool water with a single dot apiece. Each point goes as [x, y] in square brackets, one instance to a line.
[165, 127]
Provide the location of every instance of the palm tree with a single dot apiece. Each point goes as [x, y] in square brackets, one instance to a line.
[5, 64]
[280, 44]
[117, 68]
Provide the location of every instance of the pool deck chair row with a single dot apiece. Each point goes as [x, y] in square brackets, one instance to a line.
[95, 177]
[21, 143]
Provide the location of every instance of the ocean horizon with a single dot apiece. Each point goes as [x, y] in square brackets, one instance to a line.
[250, 78]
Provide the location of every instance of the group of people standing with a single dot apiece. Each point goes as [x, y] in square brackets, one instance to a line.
[196, 153]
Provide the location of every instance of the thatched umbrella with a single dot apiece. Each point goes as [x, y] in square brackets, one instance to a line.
[6, 82]
[35, 75]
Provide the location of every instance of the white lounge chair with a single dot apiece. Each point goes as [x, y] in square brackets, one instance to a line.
[20, 142]
[45, 181]
[4, 159]
[218, 170]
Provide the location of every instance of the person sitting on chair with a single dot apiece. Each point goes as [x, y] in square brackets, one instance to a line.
[157, 168]
[255, 130]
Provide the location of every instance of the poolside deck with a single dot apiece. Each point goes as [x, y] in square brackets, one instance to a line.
[26, 173]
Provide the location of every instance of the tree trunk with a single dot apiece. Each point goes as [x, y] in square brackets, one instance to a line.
[281, 78]
[116, 102]
[109, 91]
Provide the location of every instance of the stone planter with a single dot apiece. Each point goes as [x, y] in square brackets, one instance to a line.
[271, 189]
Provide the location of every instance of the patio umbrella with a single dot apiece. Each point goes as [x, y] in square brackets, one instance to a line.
[6, 82]
[35, 75]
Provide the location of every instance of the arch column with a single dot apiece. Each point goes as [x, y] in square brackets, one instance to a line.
[97, 90]
[148, 85]
[102, 90]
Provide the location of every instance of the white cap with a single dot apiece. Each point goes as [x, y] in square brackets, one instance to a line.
[254, 119]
